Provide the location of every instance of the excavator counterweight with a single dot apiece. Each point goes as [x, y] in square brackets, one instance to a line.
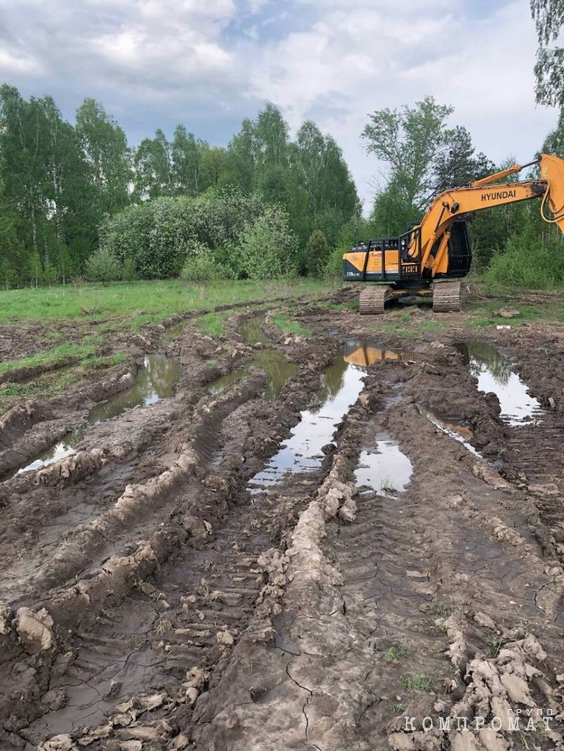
[431, 258]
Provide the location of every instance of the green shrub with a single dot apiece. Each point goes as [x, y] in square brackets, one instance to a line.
[267, 246]
[129, 271]
[159, 235]
[316, 253]
[529, 261]
[103, 266]
[334, 266]
[200, 268]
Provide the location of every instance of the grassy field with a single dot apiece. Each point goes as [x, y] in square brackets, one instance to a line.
[144, 302]
[68, 312]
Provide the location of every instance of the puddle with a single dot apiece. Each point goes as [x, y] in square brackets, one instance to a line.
[450, 427]
[342, 382]
[251, 330]
[59, 451]
[494, 373]
[386, 469]
[173, 332]
[278, 370]
[153, 382]
[274, 364]
[223, 382]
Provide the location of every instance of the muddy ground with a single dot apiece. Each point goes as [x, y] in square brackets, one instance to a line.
[335, 541]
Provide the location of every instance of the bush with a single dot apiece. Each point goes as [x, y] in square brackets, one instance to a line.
[200, 267]
[530, 261]
[103, 266]
[268, 247]
[158, 236]
[128, 270]
[316, 253]
[334, 266]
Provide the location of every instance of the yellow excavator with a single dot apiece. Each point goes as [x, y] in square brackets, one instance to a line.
[429, 259]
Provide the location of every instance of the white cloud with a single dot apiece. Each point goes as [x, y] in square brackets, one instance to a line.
[360, 56]
[12, 62]
[332, 60]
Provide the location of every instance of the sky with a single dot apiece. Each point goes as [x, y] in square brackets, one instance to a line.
[210, 63]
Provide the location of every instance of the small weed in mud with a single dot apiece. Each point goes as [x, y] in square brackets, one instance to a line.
[399, 707]
[93, 339]
[211, 363]
[444, 610]
[521, 632]
[397, 652]
[431, 326]
[417, 682]
[92, 363]
[291, 326]
[494, 649]
[388, 486]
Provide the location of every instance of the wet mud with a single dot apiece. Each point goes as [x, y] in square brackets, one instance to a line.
[262, 540]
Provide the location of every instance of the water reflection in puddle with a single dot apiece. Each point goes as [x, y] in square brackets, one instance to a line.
[274, 364]
[357, 352]
[155, 381]
[386, 469]
[341, 383]
[59, 451]
[251, 330]
[494, 373]
[220, 384]
[460, 433]
[278, 370]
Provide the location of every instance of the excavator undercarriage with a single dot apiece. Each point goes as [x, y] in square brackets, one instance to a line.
[446, 297]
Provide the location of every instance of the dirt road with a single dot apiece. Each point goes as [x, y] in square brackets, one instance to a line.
[260, 540]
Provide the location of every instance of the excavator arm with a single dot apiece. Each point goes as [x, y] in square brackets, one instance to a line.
[429, 241]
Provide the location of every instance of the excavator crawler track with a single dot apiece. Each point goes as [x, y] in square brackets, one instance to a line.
[447, 297]
[373, 300]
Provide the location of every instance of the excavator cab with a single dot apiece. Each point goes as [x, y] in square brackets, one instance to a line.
[388, 259]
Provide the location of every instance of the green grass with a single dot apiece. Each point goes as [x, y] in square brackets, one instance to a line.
[397, 652]
[290, 326]
[48, 357]
[55, 382]
[212, 323]
[154, 299]
[485, 313]
[417, 683]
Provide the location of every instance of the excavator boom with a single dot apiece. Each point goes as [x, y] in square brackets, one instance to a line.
[484, 194]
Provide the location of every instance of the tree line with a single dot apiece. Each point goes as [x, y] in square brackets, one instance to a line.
[65, 187]
[77, 199]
